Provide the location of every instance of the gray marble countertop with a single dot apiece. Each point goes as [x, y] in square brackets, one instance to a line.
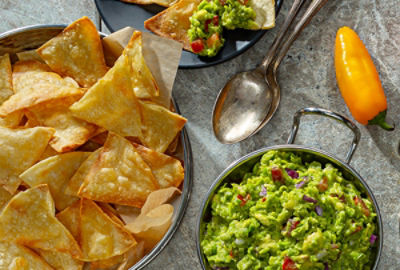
[307, 78]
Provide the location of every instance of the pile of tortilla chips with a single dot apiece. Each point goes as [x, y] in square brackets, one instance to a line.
[84, 175]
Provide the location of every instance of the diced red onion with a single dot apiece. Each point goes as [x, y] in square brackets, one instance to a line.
[309, 199]
[326, 266]
[292, 173]
[263, 191]
[300, 184]
[318, 210]
[373, 239]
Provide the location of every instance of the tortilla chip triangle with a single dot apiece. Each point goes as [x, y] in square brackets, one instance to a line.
[119, 175]
[22, 148]
[70, 218]
[173, 22]
[56, 172]
[6, 88]
[111, 103]
[70, 132]
[76, 52]
[167, 170]
[77, 179]
[100, 237]
[23, 219]
[17, 257]
[143, 81]
[60, 261]
[160, 126]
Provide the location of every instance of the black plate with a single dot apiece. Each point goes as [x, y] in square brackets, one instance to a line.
[117, 15]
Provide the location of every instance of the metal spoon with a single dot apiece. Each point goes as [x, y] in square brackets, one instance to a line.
[249, 99]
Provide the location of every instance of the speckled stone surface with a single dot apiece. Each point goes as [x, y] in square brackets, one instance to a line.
[307, 78]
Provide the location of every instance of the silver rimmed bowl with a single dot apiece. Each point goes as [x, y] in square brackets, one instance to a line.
[229, 175]
[32, 37]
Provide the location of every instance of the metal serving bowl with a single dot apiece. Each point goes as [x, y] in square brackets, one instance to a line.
[32, 37]
[307, 154]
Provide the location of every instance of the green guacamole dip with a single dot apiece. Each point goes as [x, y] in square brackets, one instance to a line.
[288, 215]
[208, 20]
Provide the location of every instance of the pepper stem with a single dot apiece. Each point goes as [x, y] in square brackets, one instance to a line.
[380, 121]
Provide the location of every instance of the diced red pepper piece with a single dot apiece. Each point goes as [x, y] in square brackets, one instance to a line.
[222, 2]
[364, 208]
[206, 23]
[244, 200]
[264, 199]
[294, 225]
[276, 174]
[323, 184]
[231, 253]
[288, 264]
[197, 45]
[358, 228]
[215, 20]
[243, 2]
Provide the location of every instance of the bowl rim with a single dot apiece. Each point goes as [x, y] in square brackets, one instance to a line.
[286, 147]
[187, 158]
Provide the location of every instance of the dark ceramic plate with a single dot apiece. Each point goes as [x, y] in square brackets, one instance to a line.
[117, 15]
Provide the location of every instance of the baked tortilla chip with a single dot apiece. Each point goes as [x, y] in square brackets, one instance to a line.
[160, 126]
[6, 88]
[107, 263]
[70, 132]
[17, 257]
[60, 261]
[119, 175]
[21, 148]
[132, 256]
[167, 170]
[143, 81]
[56, 172]
[157, 198]
[70, 218]
[111, 103]
[5, 196]
[152, 226]
[38, 92]
[265, 13]
[173, 22]
[164, 3]
[12, 120]
[29, 55]
[77, 179]
[100, 237]
[23, 70]
[76, 52]
[111, 212]
[29, 220]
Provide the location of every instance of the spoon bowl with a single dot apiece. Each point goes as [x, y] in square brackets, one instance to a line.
[242, 104]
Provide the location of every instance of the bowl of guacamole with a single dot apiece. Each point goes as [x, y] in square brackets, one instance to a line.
[289, 207]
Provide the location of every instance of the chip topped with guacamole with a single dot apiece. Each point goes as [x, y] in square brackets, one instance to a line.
[289, 214]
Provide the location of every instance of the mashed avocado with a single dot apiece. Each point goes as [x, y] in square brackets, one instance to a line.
[208, 20]
[289, 215]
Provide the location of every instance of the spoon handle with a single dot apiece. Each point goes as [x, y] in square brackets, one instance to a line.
[313, 9]
[282, 32]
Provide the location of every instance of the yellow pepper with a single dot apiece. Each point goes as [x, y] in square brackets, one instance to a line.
[358, 80]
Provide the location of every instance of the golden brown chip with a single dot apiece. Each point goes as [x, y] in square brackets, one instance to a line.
[70, 132]
[41, 89]
[6, 88]
[164, 3]
[23, 70]
[28, 219]
[152, 226]
[60, 261]
[143, 81]
[29, 55]
[111, 103]
[100, 138]
[127, 213]
[48, 152]
[159, 197]
[77, 179]
[100, 237]
[167, 170]
[70, 218]
[111, 212]
[160, 126]
[12, 120]
[107, 263]
[119, 175]
[76, 52]
[17, 257]
[21, 148]
[5, 196]
[173, 22]
[56, 171]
